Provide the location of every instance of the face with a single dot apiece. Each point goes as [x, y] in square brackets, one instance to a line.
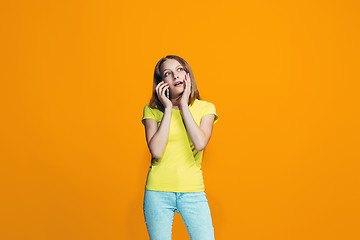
[173, 73]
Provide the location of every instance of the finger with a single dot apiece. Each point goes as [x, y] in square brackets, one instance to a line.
[163, 88]
[157, 92]
[158, 89]
[160, 85]
[163, 85]
[189, 79]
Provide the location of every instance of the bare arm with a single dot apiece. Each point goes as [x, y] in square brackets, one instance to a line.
[157, 137]
[199, 136]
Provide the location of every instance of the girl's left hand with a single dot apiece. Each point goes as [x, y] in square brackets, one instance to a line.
[187, 90]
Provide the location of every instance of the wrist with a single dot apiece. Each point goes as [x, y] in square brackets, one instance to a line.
[168, 109]
[183, 106]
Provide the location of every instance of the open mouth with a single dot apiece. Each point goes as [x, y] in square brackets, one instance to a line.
[178, 84]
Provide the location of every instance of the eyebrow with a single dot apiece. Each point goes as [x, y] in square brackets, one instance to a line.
[175, 67]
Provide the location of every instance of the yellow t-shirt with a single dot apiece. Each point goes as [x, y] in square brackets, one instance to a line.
[179, 167]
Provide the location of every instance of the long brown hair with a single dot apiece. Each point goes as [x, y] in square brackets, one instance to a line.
[194, 94]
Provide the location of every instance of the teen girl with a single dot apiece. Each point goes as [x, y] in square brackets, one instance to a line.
[178, 126]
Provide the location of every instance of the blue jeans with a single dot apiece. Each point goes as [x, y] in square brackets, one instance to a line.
[160, 207]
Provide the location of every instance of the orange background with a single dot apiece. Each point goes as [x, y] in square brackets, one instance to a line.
[283, 160]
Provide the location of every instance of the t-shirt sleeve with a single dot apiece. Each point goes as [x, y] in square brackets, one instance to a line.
[148, 113]
[210, 109]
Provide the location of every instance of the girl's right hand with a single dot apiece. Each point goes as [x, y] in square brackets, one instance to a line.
[161, 91]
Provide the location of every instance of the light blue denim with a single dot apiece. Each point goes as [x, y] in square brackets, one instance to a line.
[159, 209]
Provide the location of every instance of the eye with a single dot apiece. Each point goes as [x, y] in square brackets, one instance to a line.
[180, 68]
[166, 74]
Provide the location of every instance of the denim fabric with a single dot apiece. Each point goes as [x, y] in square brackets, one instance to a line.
[159, 209]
